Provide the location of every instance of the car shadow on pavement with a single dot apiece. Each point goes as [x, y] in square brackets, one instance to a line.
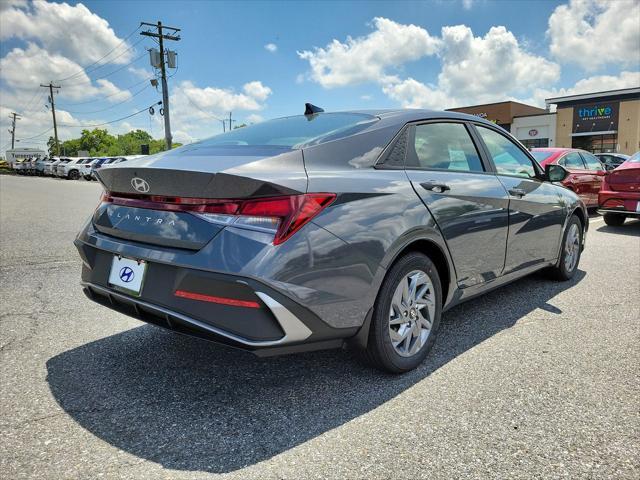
[191, 405]
[630, 227]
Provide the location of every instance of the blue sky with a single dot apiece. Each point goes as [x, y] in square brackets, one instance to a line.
[437, 54]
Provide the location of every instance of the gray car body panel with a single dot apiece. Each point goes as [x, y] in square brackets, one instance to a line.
[335, 264]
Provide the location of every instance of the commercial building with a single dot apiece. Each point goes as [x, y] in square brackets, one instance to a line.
[535, 130]
[501, 113]
[599, 122]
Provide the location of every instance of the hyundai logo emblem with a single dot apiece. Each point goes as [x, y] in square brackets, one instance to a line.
[140, 184]
[126, 274]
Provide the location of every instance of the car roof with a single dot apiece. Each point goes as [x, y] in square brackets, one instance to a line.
[404, 115]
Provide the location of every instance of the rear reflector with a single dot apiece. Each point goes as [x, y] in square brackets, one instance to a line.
[221, 300]
[283, 216]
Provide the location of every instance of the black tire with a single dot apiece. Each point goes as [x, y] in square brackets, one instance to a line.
[380, 351]
[614, 219]
[74, 175]
[564, 271]
[87, 178]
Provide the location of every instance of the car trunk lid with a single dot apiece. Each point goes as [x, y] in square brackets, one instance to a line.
[625, 178]
[160, 199]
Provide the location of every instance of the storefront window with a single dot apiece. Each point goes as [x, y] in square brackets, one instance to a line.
[535, 142]
[596, 143]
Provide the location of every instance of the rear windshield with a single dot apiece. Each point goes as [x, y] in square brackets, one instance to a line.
[541, 156]
[296, 131]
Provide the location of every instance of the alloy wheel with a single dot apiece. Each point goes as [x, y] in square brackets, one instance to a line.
[412, 313]
[572, 248]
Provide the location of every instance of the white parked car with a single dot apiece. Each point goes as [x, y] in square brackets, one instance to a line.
[50, 166]
[59, 170]
[103, 162]
[85, 168]
[71, 169]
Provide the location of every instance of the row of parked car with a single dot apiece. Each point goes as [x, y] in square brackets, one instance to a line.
[609, 182]
[65, 167]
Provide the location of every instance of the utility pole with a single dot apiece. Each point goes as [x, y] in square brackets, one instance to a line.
[230, 122]
[165, 89]
[14, 116]
[51, 86]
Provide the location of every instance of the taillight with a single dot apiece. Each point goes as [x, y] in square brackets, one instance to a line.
[283, 216]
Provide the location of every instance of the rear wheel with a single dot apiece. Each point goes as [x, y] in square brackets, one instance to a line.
[406, 315]
[571, 250]
[614, 219]
[87, 178]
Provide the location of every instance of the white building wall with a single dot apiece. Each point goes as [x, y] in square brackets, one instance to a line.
[535, 127]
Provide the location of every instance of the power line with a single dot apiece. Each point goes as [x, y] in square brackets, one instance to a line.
[106, 96]
[36, 136]
[104, 56]
[89, 80]
[112, 121]
[115, 104]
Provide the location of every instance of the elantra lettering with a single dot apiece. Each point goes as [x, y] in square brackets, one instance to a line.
[145, 220]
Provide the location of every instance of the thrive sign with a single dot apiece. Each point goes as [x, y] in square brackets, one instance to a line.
[595, 117]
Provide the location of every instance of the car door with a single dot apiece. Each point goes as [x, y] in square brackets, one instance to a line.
[596, 172]
[467, 201]
[536, 208]
[579, 179]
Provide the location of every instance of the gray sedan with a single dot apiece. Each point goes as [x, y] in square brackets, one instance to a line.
[310, 231]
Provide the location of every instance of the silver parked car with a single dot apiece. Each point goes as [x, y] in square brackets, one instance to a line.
[310, 231]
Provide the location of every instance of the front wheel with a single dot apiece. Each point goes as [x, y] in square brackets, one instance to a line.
[74, 175]
[406, 315]
[614, 219]
[571, 250]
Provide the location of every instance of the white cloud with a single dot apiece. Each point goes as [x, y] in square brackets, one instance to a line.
[490, 67]
[271, 47]
[196, 112]
[63, 29]
[411, 93]
[467, 4]
[213, 99]
[366, 98]
[257, 90]
[368, 58]
[469, 74]
[26, 69]
[593, 33]
[598, 83]
[474, 69]
[254, 118]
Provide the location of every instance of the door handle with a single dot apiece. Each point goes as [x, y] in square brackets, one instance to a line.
[435, 186]
[517, 192]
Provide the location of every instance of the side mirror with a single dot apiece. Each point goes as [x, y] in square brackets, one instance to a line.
[555, 173]
[602, 173]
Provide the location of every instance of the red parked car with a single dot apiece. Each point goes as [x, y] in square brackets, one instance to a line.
[619, 197]
[585, 171]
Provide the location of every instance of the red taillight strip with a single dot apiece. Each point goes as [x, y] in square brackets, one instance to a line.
[221, 300]
[293, 211]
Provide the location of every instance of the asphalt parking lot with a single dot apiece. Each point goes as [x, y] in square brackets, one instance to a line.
[536, 380]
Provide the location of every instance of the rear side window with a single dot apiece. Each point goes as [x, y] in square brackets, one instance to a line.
[296, 131]
[573, 161]
[444, 146]
[508, 158]
[592, 162]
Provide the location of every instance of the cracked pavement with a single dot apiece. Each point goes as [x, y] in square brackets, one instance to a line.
[535, 380]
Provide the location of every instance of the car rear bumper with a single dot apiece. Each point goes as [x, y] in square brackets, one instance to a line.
[610, 201]
[276, 324]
